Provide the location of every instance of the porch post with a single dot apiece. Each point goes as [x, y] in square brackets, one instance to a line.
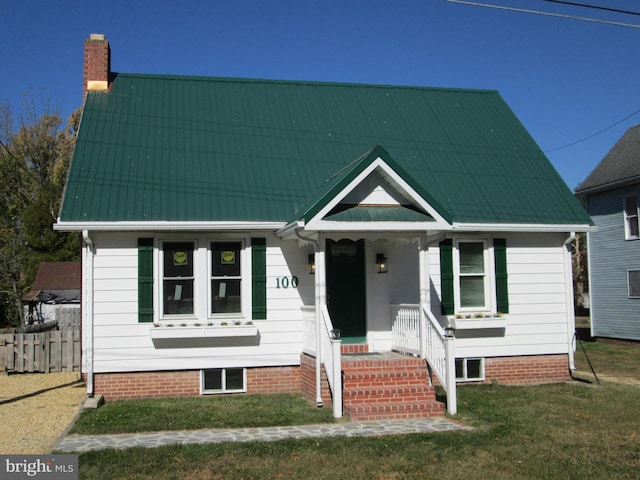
[321, 300]
[450, 358]
[425, 297]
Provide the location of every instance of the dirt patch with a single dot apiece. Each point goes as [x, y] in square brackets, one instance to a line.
[36, 409]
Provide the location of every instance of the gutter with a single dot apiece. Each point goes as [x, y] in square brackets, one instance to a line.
[571, 315]
[87, 303]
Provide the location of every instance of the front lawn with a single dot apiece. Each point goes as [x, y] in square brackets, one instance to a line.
[564, 431]
[216, 411]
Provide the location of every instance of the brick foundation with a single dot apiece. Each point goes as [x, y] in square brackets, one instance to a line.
[273, 380]
[294, 379]
[527, 370]
[308, 381]
[186, 383]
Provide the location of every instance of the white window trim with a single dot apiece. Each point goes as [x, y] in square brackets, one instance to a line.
[224, 382]
[202, 277]
[465, 376]
[627, 230]
[489, 276]
[629, 283]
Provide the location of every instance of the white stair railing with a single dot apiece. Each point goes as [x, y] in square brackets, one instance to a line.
[332, 359]
[439, 351]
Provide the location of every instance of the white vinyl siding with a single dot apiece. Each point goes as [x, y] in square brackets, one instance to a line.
[537, 322]
[123, 344]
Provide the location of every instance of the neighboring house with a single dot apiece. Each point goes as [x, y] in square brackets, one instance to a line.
[54, 295]
[612, 194]
[234, 227]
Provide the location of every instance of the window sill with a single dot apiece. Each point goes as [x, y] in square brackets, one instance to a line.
[478, 323]
[164, 332]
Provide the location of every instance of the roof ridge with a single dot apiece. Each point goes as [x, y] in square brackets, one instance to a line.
[324, 83]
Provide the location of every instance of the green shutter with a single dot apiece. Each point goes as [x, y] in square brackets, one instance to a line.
[502, 291]
[259, 278]
[145, 279]
[446, 277]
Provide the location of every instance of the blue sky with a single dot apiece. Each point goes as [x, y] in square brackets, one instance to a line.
[565, 79]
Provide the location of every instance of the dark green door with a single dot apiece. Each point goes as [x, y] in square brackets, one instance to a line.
[346, 299]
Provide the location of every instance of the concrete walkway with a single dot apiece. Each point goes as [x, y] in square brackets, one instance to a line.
[84, 443]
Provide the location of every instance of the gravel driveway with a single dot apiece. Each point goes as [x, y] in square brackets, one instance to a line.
[36, 408]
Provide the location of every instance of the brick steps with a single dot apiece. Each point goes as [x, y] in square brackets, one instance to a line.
[389, 386]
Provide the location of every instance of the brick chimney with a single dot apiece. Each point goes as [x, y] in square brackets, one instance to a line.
[97, 65]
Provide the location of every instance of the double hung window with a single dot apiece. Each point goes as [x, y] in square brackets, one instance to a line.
[178, 278]
[472, 275]
[226, 278]
[631, 228]
[633, 282]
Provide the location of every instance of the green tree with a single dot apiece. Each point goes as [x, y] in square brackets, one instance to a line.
[34, 161]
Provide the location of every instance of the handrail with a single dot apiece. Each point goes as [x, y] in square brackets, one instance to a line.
[417, 331]
[447, 365]
[331, 357]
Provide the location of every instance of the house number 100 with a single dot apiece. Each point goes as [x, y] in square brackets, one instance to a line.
[285, 282]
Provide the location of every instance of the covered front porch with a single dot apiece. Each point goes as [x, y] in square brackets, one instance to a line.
[381, 347]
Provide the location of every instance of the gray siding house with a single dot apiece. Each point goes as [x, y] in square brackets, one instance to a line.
[612, 194]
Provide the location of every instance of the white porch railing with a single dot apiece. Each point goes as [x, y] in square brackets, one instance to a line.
[330, 351]
[405, 333]
[435, 345]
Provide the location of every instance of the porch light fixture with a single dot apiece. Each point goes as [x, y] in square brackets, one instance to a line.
[312, 264]
[381, 261]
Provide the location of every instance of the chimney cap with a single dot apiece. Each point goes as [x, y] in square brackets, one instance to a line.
[96, 36]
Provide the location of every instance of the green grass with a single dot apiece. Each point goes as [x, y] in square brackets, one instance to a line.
[228, 411]
[564, 431]
[609, 359]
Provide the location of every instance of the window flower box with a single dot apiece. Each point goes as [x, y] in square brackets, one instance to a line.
[478, 321]
[206, 331]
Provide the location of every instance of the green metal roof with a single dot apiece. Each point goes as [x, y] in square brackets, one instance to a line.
[175, 148]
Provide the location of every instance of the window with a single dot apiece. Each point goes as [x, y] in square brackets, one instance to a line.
[631, 230]
[223, 380]
[178, 278]
[469, 369]
[633, 280]
[226, 278]
[472, 281]
[473, 276]
[202, 279]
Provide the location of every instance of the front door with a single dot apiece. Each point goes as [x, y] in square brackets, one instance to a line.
[346, 293]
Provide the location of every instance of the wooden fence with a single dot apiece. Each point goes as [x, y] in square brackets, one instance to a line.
[45, 352]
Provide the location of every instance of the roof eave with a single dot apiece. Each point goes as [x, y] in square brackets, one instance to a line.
[167, 226]
[607, 186]
[522, 227]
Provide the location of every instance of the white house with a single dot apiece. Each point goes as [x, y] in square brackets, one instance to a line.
[235, 228]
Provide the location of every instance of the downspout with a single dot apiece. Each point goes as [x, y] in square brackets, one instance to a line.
[87, 285]
[571, 316]
[319, 275]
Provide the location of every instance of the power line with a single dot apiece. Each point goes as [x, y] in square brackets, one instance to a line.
[595, 7]
[593, 134]
[548, 14]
